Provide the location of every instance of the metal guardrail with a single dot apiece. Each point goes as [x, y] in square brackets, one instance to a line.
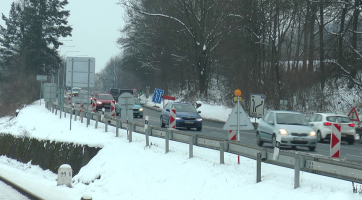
[321, 165]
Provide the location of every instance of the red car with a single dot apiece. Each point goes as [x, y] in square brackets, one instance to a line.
[103, 101]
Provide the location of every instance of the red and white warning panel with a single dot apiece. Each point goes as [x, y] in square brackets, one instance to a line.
[69, 99]
[173, 118]
[335, 141]
[94, 104]
[232, 135]
[113, 108]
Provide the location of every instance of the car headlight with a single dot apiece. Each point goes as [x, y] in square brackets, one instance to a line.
[178, 118]
[199, 119]
[141, 109]
[283, 132]
[98, 102]
[312, 133]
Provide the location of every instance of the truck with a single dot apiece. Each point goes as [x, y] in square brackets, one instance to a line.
[115, 92]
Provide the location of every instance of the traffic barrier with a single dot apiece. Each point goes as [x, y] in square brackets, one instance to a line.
[173, 118]
[232, 135]
[94, 104]
[113, 108]
[335, 145]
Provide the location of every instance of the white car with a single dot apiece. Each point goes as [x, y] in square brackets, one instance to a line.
[322, 125]
[293, 128]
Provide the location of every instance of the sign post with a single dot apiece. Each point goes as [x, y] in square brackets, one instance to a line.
[41, 78]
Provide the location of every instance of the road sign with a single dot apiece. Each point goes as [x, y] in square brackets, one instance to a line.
[126, 114]
[157, 95]
[126, 101]
[134, 91]
[80, 71]
[244, 121]
[353, 115]
[335, 144]
[113, 108]
[257, 102]
[41, 77]
[173, 118]
[50, 92]
[278, 139]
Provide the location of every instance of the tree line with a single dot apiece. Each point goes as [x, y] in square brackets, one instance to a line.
[29, 44]
[304, 49]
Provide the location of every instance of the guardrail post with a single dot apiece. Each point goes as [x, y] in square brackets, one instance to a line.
[117, 126]
[52, 108]
[65, 113]
[81, 114]
[167, 141]
[130, 127]
[97, 119]
[88, 119]
[258, 167]
[147, 132]
[106, 124]
[222, 153]
[60, 113]
[191, 146]
[296, 172]
[56, 111]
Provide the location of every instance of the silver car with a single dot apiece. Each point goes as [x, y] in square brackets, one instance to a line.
[293, 128]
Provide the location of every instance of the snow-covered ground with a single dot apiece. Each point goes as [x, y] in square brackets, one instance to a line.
[123, 170]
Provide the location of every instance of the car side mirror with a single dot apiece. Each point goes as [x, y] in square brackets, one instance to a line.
[198, 111]
[271, 122]
[311, 124]
[168, 110]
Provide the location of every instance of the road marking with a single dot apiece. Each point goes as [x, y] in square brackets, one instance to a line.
[346, 147]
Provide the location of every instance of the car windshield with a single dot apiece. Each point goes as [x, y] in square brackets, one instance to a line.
[339, 119]
[184, 108]
[105, 97]
[291, 119]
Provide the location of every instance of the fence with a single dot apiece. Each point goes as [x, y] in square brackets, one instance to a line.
[298, 161]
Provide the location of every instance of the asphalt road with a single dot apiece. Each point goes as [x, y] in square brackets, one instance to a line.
[215, 129]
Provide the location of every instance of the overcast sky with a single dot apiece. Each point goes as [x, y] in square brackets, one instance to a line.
[96, 26]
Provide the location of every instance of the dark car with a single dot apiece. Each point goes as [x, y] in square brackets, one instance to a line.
[103, 101]
[137, 109]
[186, 116]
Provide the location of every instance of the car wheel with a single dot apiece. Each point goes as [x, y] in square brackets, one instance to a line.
[161, 122]
[350, 141]
[319, 137]
[274, 140]
[312, 148]
[141, 116]
[258, 140]
[198, 129]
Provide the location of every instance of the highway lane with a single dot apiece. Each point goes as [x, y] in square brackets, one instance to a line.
[215, 129]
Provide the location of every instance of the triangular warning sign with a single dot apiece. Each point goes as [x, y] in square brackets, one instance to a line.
[353, 115]
[244, 121]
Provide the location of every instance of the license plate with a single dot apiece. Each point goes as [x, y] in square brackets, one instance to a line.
[189, 122]
[299, 139]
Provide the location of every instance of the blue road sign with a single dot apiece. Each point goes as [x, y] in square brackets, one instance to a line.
[157, 95]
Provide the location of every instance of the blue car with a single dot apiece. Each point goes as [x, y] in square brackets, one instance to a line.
[186, 116]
